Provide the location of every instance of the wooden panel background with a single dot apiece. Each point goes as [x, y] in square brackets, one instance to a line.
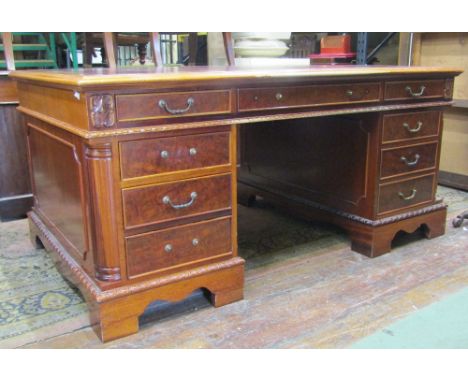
[447, 49]
[450, 49]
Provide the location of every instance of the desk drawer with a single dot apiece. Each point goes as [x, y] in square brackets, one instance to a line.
[134, 107]
[405, 126]
[153, 156]
[400, 195]
[403, 160]
[421, 89]
[178, 246]
[303, 96]
[171, 201]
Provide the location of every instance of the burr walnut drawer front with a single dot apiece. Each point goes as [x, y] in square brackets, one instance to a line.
[407, 159]
[304, 96]
[412, 125]
[419, 89]
[404, 194]
[134, 107]
[153, 156]
[183, 245]
[170, 201]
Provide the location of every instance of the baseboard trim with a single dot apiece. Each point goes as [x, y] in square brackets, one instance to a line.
[454, 180]
[15, 207]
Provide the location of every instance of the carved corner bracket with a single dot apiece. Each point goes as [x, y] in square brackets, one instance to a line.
[102, 111]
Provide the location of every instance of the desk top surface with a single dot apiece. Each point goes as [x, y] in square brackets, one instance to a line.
[104, 76]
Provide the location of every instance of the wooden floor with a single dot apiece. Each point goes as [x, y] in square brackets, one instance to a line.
[308, 291]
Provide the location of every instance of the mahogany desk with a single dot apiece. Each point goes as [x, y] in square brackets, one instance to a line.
[135, 172]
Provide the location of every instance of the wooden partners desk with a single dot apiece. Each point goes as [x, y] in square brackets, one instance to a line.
[135, 172]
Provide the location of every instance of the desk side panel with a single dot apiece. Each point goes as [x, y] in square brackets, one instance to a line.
[58, 175]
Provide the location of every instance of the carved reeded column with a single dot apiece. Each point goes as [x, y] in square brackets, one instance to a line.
[105, 243]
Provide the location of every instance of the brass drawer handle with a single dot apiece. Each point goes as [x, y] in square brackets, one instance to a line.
[418, 94]
[163, 105]
[415, 130]
[413, 163]
[167, 200]
[355, 97]
[409, 197]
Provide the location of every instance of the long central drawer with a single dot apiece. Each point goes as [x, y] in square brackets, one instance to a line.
[171, 201]
[304, 96]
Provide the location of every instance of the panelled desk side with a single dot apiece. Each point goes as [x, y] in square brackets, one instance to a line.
[135, 173]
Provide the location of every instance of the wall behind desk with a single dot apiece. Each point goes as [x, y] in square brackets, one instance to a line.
[450, 49]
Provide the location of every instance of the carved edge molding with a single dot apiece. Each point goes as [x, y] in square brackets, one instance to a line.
[383, 221]
[102, 111]
[170, 279]
[100, 296]
[410, 214]
[264, 118]
[224, 122]
[373, 223]
[66, 258]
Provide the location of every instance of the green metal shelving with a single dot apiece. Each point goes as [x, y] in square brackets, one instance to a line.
[45, 46]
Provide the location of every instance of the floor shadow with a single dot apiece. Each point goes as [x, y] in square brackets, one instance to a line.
[160, 310]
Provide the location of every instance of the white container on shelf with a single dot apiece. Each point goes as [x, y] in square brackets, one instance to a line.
[261, 35]
[261, 44]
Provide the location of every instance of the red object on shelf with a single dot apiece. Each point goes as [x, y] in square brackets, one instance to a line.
[332, 55]
[331, 58]
[335, 44]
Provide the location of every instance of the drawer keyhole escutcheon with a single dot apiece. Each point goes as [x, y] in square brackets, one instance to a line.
[164, 154]
[167, 200]
[193, 151]
[409, 197]
[195, 242]
[411, 163]
[168, 248]
[417, 94]
[415, 130]
[163, 105]
[279, 96]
